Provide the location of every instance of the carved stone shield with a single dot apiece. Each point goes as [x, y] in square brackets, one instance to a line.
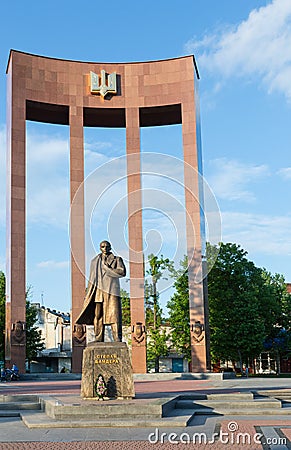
[79, 334]
[197, 330]
[138, 332]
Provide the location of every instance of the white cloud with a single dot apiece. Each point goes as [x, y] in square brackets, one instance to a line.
[93, 159]
[231, 179]
[47, 179]
[285, 173]
[44, 150]
[259, 233]
[50, 264]
[49, 204]
[48, 198]
[258, 46]
[98, 145]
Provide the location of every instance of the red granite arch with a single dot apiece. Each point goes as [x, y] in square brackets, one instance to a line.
[58, 91]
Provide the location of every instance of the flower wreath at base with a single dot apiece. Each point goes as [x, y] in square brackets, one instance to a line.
[100, 387]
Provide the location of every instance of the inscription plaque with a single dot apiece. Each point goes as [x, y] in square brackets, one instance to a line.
[111, 360]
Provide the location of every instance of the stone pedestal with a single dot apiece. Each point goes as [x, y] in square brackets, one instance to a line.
[112, 361]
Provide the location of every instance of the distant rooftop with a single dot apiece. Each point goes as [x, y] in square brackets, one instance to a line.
[64, 315]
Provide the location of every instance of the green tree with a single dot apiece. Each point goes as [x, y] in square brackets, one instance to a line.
[2, 315]
[156, 269]
[153, 310]
[34, 340]
[156, 347]
[157, 338]
[125, 306]
[278, 339]
[280, 307]
[244, 307]
[178, 307]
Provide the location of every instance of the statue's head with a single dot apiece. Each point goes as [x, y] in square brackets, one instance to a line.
[105, 247]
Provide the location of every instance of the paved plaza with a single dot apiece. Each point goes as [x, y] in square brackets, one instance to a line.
[214, 431]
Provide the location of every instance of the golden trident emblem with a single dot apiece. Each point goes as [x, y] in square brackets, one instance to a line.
[102, 87]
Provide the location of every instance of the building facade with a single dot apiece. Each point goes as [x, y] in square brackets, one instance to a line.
[55, 330]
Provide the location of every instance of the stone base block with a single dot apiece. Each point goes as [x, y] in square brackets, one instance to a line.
[112, 361]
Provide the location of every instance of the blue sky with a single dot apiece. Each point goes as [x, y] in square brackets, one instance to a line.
[243, 54]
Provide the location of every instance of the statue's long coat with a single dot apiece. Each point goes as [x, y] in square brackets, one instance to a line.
[103, 287]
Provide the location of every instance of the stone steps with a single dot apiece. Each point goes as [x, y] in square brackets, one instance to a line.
[19, 406]
[9, 413]
[239, 412]
[12, 405]
[279, 394]
[50, 412]
[251, 403]
[41, 420]
[246, 412]
[221, 405]
[107, 409]
[18, 398]
[227, 397]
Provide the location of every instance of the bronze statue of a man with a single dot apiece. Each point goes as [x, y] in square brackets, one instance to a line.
[102, 304]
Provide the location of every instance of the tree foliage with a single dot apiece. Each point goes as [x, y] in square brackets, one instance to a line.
[178, 307]
[125, 306]
[156, 347]
[278, 339]
[249, 308]
[157, 266]
[34, 341]
[245, 304]
[156, 339]
[153, 310]
[281, 300]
